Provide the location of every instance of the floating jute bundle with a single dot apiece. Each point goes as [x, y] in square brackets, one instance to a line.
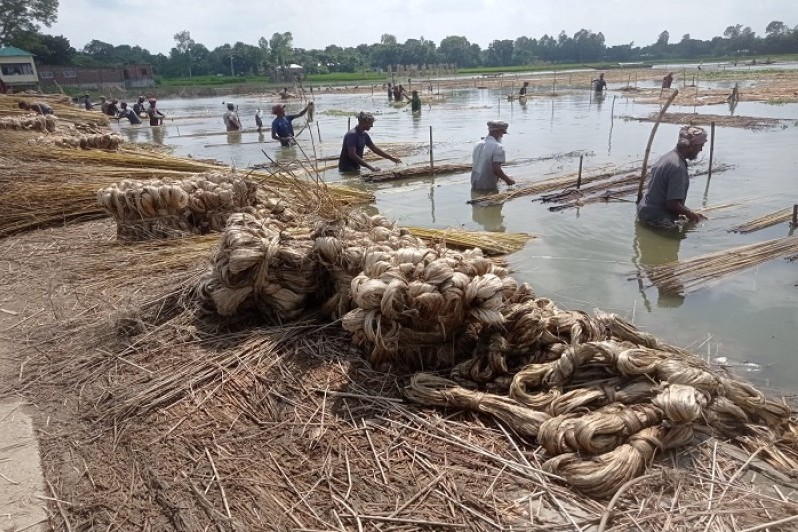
[261, 265]
[165, 209]
[44, 123]
[342, 247]
[412, 303]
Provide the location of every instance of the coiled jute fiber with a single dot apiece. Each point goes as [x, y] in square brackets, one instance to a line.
[262, 266]
[600, 397]
[36, 123]
[165, 209]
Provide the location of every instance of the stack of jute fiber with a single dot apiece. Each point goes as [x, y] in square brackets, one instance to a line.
[44, 123]
[100, 141]
[416, 306]
[342, 246]
[263, 265]
[166, 209]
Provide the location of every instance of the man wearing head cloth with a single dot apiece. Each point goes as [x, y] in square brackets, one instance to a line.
[355, 142]
[488, 157]
[230, 118]
[663, 202]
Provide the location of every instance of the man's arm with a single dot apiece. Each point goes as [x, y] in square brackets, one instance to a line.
[499, 173]
[679, 208]
[381, 153]
[303, 111]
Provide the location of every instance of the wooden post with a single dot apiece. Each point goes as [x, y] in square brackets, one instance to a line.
[318, 131]
[554, 84]
[650, 141]
[431, 158]
[795, 215]
[711, 148]
[579, 177]
[348, 123]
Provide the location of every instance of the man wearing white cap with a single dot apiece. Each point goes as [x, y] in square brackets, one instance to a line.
[488, 157]
[663, 202]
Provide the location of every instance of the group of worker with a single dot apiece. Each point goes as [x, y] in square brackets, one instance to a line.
[119, 110]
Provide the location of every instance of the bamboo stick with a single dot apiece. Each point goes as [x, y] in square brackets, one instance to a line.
[650, 141]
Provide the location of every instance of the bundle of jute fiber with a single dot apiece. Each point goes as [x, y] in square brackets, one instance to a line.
[342, 246]
[601, 432]
[166, 209]
[413, 303]
[264, 265]
[100, 141]
[36, 123]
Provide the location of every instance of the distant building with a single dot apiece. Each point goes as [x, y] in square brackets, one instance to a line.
[127, 77]
[17, 69]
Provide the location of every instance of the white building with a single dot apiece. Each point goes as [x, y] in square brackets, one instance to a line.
[17, 68]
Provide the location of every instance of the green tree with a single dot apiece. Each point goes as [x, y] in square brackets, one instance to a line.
[17, 16]
[184, 45]
[281, 44]
[457, 50]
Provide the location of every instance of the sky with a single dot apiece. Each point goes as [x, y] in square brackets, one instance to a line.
[315, 24]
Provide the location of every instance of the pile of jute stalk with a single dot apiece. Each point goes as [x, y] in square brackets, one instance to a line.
[163, 209]
[36, 123]
[601, 397]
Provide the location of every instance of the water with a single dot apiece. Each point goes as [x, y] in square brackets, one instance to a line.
[587, 258]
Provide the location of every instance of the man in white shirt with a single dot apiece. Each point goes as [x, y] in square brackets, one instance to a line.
[488, 157]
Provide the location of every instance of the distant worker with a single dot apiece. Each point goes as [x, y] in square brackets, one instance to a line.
[599, 84]
[104, 105]
[390, 92]
[155, 115]
[355, 141]
[138, 107]
[3, 86]
[37, 107]
[487, 159]
[231, 120]
[259, 120]
[667, 80]
[663, 202]
[522, 90]
[415, 102]
[87, 103]
[126, 112]
[113, 109]
[282, 128]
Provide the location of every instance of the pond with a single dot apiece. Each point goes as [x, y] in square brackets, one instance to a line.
[586, 258]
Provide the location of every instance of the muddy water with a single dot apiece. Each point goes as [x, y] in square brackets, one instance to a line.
[586, 258]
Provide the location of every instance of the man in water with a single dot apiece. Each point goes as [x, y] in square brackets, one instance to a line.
[155, 115]
[600, 84]
[488, 157]
[523, 89]
[355, 141]
[663, 202]
[230, 117]
[415, 102]
[126, 112]
[282, 129]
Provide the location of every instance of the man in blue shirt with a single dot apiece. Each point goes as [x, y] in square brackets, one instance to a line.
[126, 112]
[355, 141]
[282, 129]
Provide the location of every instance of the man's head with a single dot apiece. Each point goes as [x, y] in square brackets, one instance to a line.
[230, 106]
[601, 76]
[278, 109]
[24, 105]
[103, 98]
[152, 102]
[497, 128]
[691, 141]
[526, 83]
[141, 99]
[123, 105]
[365, 120]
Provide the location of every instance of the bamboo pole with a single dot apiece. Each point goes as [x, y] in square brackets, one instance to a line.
[651, 140]
[318, 131]
[795, 215]
[711, 149]
[579, 177]
[431, 158]
[348, 123]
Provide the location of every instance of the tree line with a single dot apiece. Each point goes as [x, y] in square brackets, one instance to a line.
[189, 58]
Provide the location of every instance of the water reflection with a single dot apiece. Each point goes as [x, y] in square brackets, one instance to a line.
[652, 248]
[158, 134]
[234, 137]
[490, 217]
